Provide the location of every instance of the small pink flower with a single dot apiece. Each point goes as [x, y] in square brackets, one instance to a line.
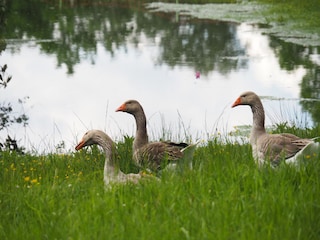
[197, 74]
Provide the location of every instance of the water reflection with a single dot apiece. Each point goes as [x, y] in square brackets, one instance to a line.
[88, 59]
[205, 46]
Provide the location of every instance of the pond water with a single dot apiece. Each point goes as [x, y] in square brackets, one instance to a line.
[75, 64]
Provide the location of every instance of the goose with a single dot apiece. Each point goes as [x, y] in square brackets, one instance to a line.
[154, 156]
[273, 147]
[112, 172]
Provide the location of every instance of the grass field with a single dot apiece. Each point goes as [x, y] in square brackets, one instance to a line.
[225, 196]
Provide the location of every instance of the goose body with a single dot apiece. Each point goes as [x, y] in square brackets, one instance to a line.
[112, 172]
[154, 155]
[273, 147]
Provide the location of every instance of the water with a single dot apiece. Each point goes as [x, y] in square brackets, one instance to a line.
[78, 63]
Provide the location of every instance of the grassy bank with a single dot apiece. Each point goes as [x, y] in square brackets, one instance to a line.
[297, 14]
[225, 196]
[292, 21]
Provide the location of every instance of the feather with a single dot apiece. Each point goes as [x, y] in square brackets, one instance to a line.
[272, 148]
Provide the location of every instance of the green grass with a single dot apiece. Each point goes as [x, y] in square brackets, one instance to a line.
[293, 21]
[225, 196]
[306, 12]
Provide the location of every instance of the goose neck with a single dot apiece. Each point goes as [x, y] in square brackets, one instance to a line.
[258, 117]
[141, 133]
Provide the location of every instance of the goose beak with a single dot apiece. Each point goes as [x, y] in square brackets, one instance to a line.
[237, 102]
[122, 108]
[80, 145]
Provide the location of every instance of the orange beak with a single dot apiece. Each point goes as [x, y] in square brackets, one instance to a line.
[80, 145]
[122, 108]
[237, 102]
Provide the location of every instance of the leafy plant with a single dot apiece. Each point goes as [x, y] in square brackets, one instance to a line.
[7, 115]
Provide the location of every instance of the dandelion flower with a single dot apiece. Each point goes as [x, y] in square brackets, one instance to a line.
[34, 181]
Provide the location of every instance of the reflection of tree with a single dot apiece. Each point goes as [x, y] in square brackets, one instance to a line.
[202, 44]
[2, 24]
[292, 56]
[72, 31]
[310, 89]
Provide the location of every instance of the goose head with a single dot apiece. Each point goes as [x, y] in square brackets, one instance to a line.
[130, 106]
[246, 98]
[92, 137]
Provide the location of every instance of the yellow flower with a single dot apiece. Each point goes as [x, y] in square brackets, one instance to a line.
[34, 181]
[27, 179]
[12, 167]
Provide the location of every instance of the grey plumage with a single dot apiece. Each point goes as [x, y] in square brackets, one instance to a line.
[112, 172]
[155, 155]
[271, 147]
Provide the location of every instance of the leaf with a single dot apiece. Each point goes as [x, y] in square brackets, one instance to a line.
[4, 68]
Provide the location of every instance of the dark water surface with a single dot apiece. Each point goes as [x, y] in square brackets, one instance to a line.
[77, 63]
